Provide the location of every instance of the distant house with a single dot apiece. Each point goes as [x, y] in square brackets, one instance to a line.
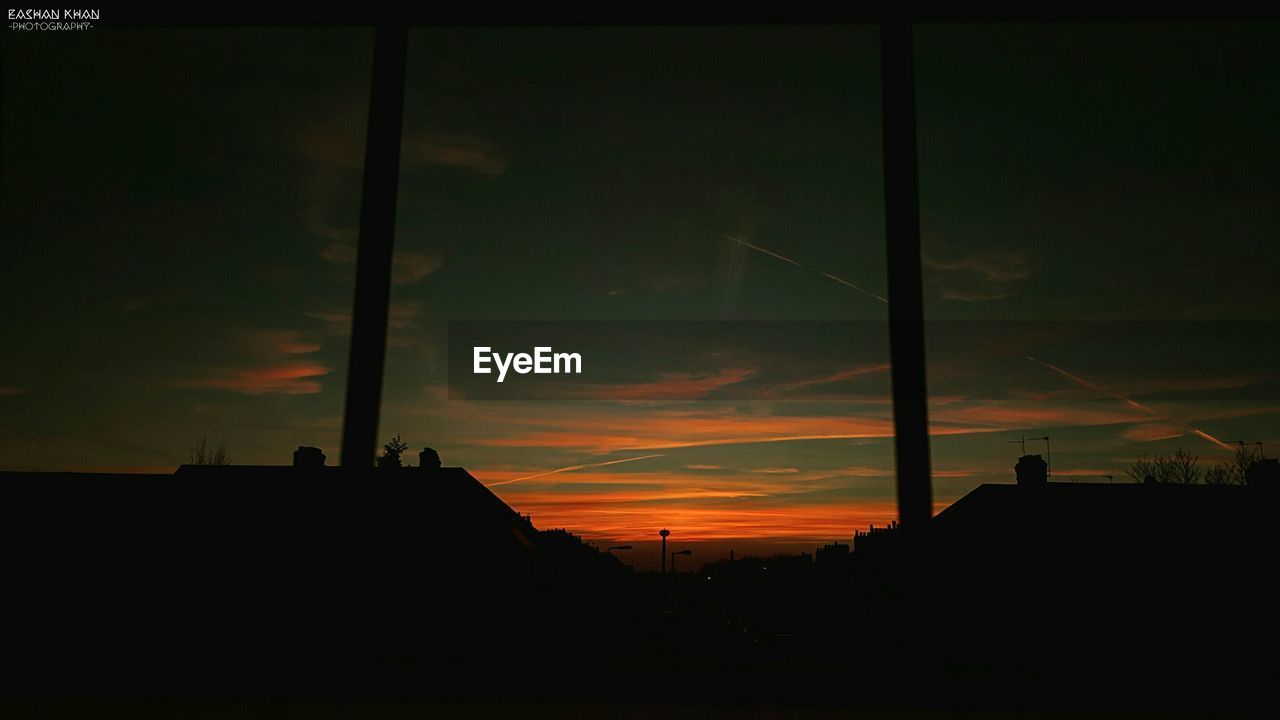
[1109, 580]
[259, 563]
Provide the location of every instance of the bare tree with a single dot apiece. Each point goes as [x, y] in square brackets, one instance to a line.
[1181, 467]
[391, 452]
[202, 454]
[1219, 474]
[1141, 469]
[1233, 471]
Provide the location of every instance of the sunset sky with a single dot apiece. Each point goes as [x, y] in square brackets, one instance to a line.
[1099, 210]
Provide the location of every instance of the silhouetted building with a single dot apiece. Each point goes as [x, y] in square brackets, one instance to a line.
[1264, 473]
[245, 563]
[874, 537]
[308, 458]
[832, 559]
[1128, 580]
[1032, 470]
[833, 552]
[429, 459]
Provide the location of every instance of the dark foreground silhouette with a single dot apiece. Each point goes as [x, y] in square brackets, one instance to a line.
[306, 581]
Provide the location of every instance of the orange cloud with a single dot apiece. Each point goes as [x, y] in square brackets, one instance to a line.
[400, 317]
[1004, 415]
[462, 151]
[841, 376]
[1151, 432]
[291, 379]
[407, 266]
[411, 265]
[661, 431]
[265, 346]
[966, 275]
[571, 468]
[671, 386]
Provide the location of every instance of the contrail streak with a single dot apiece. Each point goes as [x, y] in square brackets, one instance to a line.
[572, 468]
[766, 252]
[842, 281]
[1092, 386]
[1131, 403]
[826, 275]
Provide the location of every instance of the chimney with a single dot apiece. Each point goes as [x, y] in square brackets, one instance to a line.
[429, 459]
[1032, 470]
[308, 458]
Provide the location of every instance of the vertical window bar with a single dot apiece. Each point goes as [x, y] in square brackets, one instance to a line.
[373, 259]
[906, 303]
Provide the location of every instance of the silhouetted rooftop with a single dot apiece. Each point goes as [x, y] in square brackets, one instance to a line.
[1086, 503]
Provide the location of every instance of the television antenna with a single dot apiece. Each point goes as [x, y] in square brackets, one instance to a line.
[1242, 445]
[1048, 461]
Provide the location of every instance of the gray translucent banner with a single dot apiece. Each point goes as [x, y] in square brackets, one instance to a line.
[662, 361]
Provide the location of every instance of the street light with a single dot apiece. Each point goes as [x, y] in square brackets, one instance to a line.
[664, 533]
[673, 558]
